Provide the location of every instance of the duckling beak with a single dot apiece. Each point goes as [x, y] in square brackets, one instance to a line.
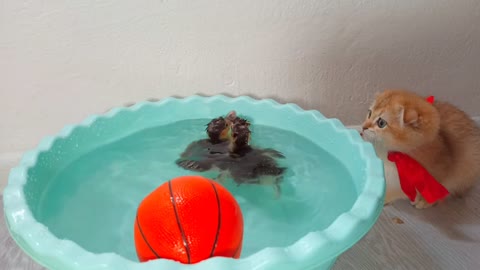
[231, 115]
[225, 134]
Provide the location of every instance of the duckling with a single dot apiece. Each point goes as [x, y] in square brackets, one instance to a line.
[202, 155]
[229, 152]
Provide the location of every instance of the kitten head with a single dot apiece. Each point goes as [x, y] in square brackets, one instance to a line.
[399, 120]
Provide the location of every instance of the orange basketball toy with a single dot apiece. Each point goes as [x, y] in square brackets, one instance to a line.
[188, 219]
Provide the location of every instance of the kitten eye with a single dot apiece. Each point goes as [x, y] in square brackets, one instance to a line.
[369, 113]
[381, 123]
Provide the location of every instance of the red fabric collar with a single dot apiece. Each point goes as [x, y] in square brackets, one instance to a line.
[414, 177]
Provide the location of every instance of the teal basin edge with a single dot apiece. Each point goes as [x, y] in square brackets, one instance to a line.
[316, 250]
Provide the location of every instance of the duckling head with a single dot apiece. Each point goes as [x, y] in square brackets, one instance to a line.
[218, 130]
[240, 137]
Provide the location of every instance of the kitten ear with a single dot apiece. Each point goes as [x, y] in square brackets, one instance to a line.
[408, 117]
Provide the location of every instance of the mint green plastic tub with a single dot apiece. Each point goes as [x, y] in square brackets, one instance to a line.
[71, 202]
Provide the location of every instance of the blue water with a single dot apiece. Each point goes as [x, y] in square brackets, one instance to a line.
[93, 201]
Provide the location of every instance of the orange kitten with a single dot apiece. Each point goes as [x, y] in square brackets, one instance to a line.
[444, 139]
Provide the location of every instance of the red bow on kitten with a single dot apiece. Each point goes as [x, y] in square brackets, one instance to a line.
[441, 137]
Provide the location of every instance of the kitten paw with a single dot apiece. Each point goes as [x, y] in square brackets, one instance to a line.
[420, 203]
[387, 204]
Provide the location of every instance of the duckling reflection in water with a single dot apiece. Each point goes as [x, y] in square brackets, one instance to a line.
[233, 156]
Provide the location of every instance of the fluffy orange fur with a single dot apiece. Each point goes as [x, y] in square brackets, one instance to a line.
[441, 137]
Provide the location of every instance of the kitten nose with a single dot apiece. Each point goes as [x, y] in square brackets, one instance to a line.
[363, 130]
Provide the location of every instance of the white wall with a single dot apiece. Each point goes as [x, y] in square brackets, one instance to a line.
[63, 60]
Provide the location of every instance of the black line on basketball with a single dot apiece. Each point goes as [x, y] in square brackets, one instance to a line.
[145, 239]
[184, 238]
[219, 220]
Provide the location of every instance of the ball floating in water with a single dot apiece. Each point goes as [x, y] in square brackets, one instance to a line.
[188, 219]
